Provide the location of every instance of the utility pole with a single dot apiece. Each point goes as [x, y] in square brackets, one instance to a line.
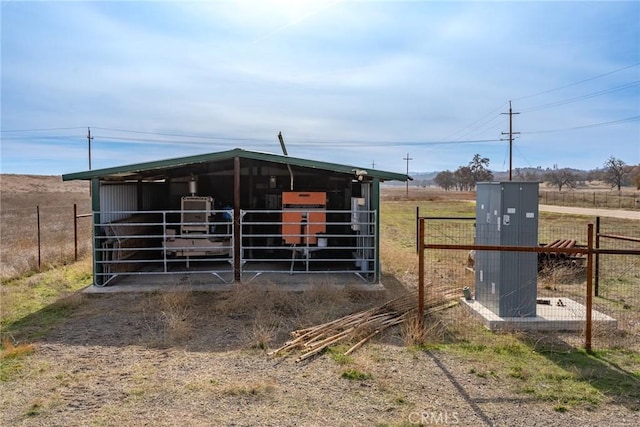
[373, 164]
[407, 159]
[89, 138]
[510, 133]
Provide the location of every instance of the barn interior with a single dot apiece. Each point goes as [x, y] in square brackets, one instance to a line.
[236, 216]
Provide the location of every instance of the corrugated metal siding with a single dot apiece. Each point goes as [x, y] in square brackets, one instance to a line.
[119, 197]
[150, 194]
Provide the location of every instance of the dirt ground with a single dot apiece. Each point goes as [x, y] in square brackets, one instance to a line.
[196, 359]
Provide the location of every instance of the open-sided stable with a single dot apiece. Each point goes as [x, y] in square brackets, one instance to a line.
[235, 215]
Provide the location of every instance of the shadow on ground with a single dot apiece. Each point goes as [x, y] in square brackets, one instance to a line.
[245, 316]
[600, 369]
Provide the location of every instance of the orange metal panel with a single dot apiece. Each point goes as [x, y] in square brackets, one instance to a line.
[295, 229]
[304, 198]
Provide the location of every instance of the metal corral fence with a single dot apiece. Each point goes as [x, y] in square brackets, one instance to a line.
[596, 199]
[139, 243]
[38, 237]
[568, 262]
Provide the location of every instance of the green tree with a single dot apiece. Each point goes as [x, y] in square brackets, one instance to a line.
[479, 167]
[464, 178]
[445, 179]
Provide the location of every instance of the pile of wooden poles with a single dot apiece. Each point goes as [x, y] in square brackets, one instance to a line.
[365, 324]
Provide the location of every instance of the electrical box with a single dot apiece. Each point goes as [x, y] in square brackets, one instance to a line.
[507, 214]
[303, 216]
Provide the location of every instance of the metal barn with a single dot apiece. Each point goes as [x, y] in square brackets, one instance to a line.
[234, 215]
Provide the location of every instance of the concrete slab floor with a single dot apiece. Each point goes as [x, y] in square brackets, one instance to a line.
[203, 282]
[562, 314]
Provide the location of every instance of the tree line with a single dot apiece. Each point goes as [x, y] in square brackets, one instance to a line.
[614, 172]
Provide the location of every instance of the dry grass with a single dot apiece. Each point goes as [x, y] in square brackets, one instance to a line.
[11, 350]
[413, 332]
[169, 317]
[264, 329]
[255, 389]
[11, 357]
[19, 197]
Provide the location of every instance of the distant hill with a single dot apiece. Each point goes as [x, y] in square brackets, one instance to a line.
[427, 177]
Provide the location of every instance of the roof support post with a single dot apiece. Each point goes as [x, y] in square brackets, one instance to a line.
[375, 205]
[236, 219]
[98, 279]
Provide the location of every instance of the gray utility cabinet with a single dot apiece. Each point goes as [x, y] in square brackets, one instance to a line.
[507, 214]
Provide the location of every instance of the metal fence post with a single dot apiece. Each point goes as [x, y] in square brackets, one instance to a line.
[75, 232]
[589, 301]
[421, 275]
[38, 231]
[417, 228]
[596, 279]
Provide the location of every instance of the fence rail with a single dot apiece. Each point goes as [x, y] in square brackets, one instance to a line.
[40, 237]
[162, 242]
[439, 260]
[596, 199]
[159, 242]
[346, 246]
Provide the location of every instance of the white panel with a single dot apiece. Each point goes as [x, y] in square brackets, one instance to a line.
[118, 197]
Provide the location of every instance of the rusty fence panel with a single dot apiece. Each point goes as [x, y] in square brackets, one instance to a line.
[564, 276]
[617, 279]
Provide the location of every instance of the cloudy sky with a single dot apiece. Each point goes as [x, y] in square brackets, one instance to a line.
[356, 82]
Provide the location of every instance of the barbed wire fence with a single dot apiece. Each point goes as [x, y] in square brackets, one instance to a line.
[42, 237]
[592, 199]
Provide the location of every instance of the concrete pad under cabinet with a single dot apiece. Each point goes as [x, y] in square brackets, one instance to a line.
[568, 315]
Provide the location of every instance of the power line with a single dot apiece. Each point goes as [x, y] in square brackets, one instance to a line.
[627, 120]
[578, 82]
[477, 121]
[293, 142]
[176, 134]
[483, 128]
[41, 130]
[172, 141]
[581, 97]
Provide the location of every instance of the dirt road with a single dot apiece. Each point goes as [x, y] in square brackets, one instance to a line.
[611, 213]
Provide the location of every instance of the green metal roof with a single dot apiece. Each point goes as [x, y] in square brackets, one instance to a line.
[159, 165]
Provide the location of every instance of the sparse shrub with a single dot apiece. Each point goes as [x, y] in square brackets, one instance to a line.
[354, 374]
[337, 354]
[263, 330]
[169, 316]
[34, 409]
[412, 332]
[256, 389]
